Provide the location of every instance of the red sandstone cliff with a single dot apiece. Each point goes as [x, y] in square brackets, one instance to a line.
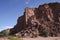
[41, 21]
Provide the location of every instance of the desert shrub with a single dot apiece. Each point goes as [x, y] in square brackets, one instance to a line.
[43, 33]
[1, 34]
[14, 38]
[4, 33]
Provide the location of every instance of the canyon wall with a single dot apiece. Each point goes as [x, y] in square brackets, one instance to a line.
[42, 21]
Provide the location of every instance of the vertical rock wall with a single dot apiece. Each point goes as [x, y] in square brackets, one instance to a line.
[42, 21]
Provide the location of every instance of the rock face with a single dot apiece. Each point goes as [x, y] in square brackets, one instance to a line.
[42, 21]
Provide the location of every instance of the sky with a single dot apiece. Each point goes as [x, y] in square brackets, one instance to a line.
[10, 10]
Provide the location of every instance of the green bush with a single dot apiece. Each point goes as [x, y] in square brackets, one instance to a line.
[14, 38]
[4, 33]
[43, 33]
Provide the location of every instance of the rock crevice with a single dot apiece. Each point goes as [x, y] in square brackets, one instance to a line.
[42, 21]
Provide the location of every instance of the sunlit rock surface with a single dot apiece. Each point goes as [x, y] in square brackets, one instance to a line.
[42, 21]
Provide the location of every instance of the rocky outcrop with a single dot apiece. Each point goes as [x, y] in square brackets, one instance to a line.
[42, 21]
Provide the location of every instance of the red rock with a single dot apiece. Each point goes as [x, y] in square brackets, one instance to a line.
[42, 21]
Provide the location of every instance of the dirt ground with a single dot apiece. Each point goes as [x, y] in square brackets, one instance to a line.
[4, 38]
[38, 38]
[42, 38]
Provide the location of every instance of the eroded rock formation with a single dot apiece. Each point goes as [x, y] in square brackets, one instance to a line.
[42, 21]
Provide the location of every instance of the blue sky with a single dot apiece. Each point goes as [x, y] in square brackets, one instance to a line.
[10, 10]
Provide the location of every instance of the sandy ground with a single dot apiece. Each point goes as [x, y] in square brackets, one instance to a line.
[39, 38]
[42, 38]
[4, 38]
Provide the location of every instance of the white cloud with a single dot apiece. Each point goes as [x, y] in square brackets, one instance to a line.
[6, 27]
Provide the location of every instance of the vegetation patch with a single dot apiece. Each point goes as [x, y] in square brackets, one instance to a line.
[14, 38]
